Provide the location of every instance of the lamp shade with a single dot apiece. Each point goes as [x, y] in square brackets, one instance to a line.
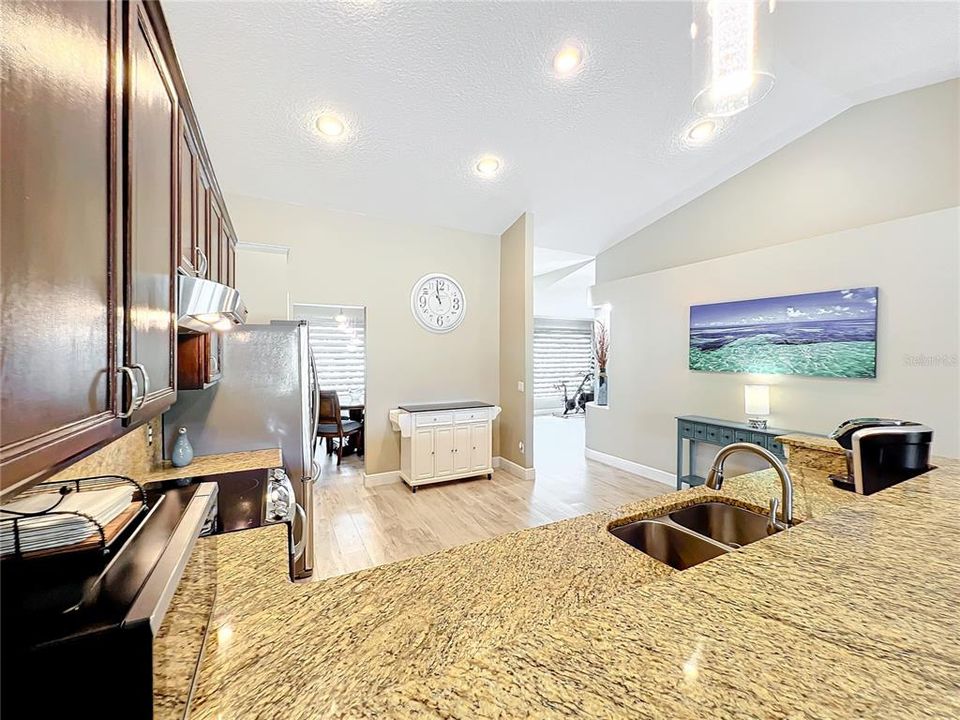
[756, 399]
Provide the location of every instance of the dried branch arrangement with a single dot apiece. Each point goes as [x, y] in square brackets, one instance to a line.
[601, 345]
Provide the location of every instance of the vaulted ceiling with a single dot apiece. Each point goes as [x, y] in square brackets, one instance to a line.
[427, 88]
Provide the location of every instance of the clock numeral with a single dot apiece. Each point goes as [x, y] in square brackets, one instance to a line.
[456, 303]
[439, 320]
[423, 301]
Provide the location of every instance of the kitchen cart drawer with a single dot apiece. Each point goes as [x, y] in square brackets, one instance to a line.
[476, 415]
[440, 418]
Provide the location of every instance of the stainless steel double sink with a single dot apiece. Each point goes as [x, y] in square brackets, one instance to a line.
[694, 534]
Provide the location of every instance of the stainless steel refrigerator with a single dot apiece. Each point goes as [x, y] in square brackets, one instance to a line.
[268, 397]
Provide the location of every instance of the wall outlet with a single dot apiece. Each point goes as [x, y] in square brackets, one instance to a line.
[521, 446]
[519, 385]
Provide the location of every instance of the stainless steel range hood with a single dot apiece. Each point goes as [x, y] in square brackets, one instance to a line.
[206, 305]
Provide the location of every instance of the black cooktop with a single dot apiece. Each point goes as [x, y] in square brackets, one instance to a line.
[436, 407]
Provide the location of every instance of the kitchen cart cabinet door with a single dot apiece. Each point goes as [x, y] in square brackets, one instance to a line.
[443, 451]
[461, 448]
[480, 446]
[423, 454]
[60, 230]
[150, 248]
[190, 260]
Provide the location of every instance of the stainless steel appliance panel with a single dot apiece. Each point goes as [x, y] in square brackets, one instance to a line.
[265, 399]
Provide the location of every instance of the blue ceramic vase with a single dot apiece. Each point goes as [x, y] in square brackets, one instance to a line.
[182, 454]
[601, 391]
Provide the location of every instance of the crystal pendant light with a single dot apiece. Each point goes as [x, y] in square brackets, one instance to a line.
[731, 55]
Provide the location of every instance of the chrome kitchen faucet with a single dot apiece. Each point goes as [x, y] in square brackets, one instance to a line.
[715, 480]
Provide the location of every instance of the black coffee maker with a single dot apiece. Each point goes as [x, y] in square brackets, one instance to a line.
[881, 452]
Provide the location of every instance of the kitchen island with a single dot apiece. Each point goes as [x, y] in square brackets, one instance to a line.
[852, 613]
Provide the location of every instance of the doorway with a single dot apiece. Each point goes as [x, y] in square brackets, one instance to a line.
[338, 344]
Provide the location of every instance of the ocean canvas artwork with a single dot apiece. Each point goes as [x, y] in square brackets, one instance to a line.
[826, 334]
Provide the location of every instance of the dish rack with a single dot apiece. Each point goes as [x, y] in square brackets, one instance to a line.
[101, 537]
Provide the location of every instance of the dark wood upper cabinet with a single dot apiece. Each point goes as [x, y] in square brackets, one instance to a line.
[60, 232]
[231, 262]
[204, 197]
[107, 193]
[191, 257]
[216, 243]
[151, 257]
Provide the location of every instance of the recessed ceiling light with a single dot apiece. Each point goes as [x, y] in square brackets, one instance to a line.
[567, 61]
[330, 126]
[488, 166]
[701, 131]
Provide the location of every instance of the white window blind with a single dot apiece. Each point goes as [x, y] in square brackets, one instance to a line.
[340, 350]
[562, 352]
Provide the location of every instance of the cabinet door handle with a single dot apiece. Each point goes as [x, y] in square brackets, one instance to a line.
[146, 384]
[134, 391]
[202, 266]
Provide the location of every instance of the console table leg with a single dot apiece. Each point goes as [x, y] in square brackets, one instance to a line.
[679, 459]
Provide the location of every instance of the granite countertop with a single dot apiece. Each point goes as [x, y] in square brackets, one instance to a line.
[438, 406]
[204, 465]
[853, 613]
[812, 442]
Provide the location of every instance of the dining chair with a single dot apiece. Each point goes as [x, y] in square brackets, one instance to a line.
[332, 426]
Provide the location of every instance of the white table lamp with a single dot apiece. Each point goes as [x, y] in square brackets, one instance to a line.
[756, 403]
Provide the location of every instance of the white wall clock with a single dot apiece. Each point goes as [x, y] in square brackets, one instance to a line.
[438, 302]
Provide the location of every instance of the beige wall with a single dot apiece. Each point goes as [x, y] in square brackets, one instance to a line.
[915, 263]
[357, 260]
[869, 198]
[516, 341]
[885, 159]
[262, 279]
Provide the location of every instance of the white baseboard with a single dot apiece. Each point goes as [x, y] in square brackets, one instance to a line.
[393, 476]
[384, 478]
[514, 469]
[629, 466]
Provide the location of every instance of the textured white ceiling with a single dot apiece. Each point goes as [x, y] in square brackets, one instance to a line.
[427, 87]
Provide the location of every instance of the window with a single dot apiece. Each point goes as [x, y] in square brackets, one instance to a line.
[562, 352]
[338, 342]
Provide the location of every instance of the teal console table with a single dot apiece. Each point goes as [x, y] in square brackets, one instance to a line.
[713, 431]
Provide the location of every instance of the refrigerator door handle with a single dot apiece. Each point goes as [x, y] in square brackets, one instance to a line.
[316, 413]
[297, 547]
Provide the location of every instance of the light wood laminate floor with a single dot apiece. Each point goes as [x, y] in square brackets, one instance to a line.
[358, 527]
